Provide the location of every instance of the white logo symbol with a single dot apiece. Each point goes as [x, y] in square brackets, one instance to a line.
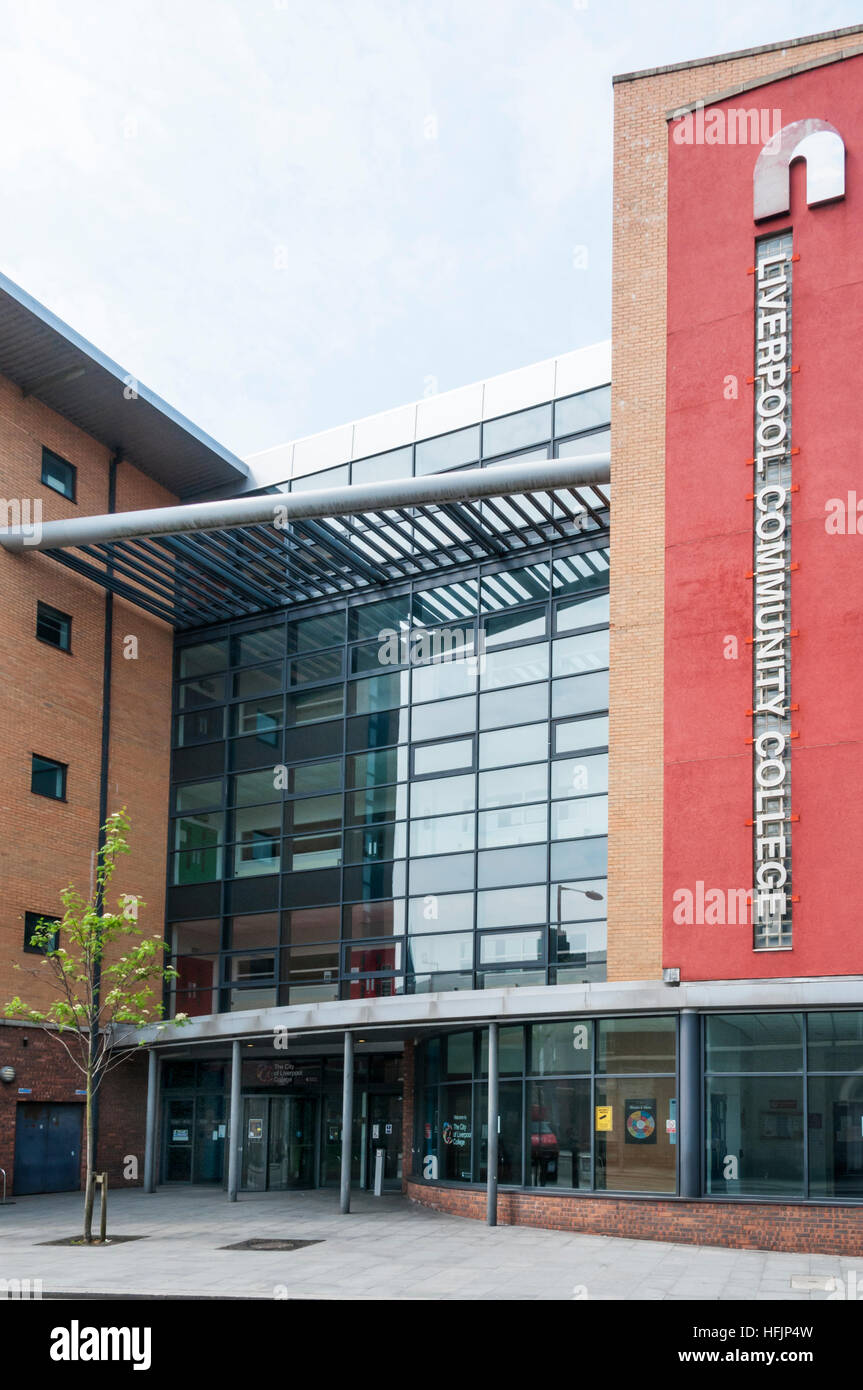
[820, 145]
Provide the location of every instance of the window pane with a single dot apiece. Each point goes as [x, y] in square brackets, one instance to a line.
[526, 864]
[559, 1129]
[442, 794]
[510, 1052]
[374, 804]
[758, 1121]
[377, 730]
[308, 634]
[373, 958]
[836, 1042]
[521, 825]
[522, 745]
[197, 795]
[58, 474]
[579, 775]
[258, 832]
[202, 659]
[578, 573]
[836, 1136]
[514, 666]
[509, 1135]
[516, 431]
[204, 726]
[505, 789]
[305, 852]
[53, 627]
[586, 411]
[378, 692]
[375, 768]
[312, 924]
[315, 813]
[261, 717]
[199, 831]
[205, 690]
[261, 680]
[256, 932]
[504, 948]
[755, 1042]
[581, 612]
[456, 871]
[314, 741]
[511, 907]
[440, 913]
[430, 953]
[371, 619]
[636, 1154]
[579, 858]
[518, 625]
[311, 705]
[581, 733]
[448, 450]
[560, 1048]
[455, 1122]
[636, 1045]
[588, 815]
[375, 919]
[571, 904]
[374, 843]
[442, 679]
[48, 778]
[250, 788]
[442, 835]
[437, 720]
[588, 651]
[320, 666]
[511, 587]
[379, 468]
[316, 777]
[520, 704]
[443, 757]
[264, 644]
[448, 603]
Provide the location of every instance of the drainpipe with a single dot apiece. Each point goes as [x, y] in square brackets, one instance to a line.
[104, 768]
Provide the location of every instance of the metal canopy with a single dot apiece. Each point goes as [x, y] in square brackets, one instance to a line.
[209, 562]
[50, 361]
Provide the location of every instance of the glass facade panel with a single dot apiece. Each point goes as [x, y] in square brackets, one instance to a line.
[755, 1136]
[754, 1042]
[516, 431]
[448, 451]
[559, 1133]
[835, 1041]
[835, 1123]
[637, 1153]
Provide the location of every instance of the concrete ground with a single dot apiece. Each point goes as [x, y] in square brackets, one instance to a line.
[386, 1249]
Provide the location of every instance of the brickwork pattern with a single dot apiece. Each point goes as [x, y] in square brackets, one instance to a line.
[739, 1225]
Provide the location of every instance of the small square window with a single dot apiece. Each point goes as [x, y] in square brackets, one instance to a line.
[59, 475]
[53, 627]
[48, 778]
[31, 922]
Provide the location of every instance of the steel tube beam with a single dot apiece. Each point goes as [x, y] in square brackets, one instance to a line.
[347, 1124]
[437, 488]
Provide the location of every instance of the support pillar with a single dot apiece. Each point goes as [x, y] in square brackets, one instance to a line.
[235, 1138]
[347, 1124]
[493, 1112]
[689, 1104]
[152, 1112]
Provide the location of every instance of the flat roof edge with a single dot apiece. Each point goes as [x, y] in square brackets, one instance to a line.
[738, 53]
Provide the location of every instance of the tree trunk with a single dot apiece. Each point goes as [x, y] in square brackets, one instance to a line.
[88, 1181]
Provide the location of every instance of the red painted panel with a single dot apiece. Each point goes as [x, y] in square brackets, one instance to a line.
[708, 766]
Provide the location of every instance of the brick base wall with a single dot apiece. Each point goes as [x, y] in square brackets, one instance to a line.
[801, 1228]
[42, 1065]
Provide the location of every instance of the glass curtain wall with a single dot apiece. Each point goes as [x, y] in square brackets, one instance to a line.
[402, 794]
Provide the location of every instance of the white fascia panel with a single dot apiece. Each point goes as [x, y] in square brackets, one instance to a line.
[583, 369]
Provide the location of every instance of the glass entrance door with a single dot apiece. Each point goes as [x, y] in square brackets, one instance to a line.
[279, 1143]
[193, 1129]
[384, 1131]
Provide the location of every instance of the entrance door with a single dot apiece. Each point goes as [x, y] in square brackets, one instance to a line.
[279, 1142]
[47, 1148]
[385, 1132]
[193, 1138]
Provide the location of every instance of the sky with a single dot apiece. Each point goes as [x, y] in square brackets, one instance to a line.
[281, 215]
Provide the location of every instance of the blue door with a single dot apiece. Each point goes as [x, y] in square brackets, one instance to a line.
[47, 1148]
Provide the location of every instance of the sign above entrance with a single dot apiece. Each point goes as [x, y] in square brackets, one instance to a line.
[279, 1071]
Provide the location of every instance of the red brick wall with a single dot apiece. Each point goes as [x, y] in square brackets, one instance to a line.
[42, 1065]
[51, 701]
[809, 1228]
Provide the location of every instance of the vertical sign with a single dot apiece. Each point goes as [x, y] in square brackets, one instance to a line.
[771, 632]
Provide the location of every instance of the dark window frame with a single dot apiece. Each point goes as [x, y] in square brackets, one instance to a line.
[31, 921]
[58, 458]
[45, 611]
[55, 763]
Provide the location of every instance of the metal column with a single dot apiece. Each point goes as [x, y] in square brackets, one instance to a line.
[493, 1112]
[152, 1111]
[347, 1124]
[689, 1107]
[235, 1138]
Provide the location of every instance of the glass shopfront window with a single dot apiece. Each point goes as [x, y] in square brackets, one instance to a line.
[565, 1123]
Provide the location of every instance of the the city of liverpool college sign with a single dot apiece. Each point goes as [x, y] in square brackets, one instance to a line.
[822, 148]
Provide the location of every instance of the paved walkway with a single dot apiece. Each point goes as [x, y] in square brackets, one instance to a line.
[386, 1249]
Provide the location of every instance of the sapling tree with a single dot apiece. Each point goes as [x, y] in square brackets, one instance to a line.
[106, 974]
